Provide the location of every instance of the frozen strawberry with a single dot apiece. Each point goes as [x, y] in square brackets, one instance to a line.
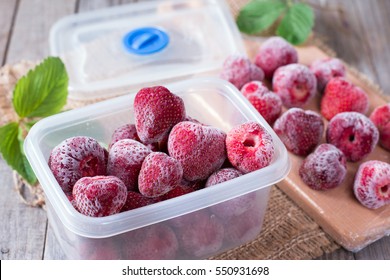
[71, 200]
[300, 131]
[353, 133]
[232, 207]
[99, 249]
[156, 242]
[249, 147]
[136, 200]
[295, 84]
[325, 69]
[372, 184]
[266, 102]
[274, 53]
[128, 131]
[243, 228]
[239, 70]
[74, 158]
[159, 174]
[325, 168]
[125, 161]
[99, 196]
[200, 149]
[200, 234]
[156, 111]
[381, 118]
[340, 96]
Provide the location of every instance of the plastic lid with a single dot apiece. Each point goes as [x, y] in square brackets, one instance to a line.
[146, 40]
[109, 52]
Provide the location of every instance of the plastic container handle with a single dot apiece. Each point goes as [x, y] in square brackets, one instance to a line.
[146, 40]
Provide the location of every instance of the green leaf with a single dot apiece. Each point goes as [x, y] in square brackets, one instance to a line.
[296, 26]
[258, 15]
[12, 151]
[43, 91]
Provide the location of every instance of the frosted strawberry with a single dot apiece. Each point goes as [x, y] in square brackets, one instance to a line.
[372, 184]
[99, 196]
[325, 168]
[200, 234]
[235, 206]
[266, 102]
[353, 133]
[77, 157]
[381, 118]
[136, 200]
[300, 131]
[295, 84]
[156, 111]
[200, 149]
[340, 96]
[249, 147]
[325, 69]
[159, 174]
[125, 161]
[239, 70]
[274, 53]
[128, 131]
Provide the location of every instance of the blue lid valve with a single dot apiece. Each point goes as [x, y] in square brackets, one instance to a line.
[145, 40]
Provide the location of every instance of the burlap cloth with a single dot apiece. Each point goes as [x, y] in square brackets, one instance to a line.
[288, 232]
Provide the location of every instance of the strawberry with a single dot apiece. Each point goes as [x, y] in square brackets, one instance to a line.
[372, 184]
[299, 130]
[159, 174]
[340, 96]
[200, 149]
[381, 118]
[136, 200]
[128, 131]
[99, 196]
[325, 69]
[156, 111]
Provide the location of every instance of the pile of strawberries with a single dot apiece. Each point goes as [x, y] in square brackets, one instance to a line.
[350, 134]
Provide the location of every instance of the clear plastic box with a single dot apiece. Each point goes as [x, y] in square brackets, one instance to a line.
[122, 236]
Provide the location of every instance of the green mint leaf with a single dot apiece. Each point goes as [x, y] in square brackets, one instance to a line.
[296, 26]
[43, 91]
[12, 151]
[258, 15]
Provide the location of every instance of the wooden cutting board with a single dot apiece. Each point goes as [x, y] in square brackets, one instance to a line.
[337, 211]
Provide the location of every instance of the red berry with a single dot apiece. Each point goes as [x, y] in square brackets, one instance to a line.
[200, 149]
[295, 84]
[125, 161]
[232, 207]
[156, 111]
[136, 200]
[249, 147]
[325, 69]
[156, 242]
[159, 174]
[353, 133]
[239, 70]
[200, 234]
[266, 102]
[74, 158]
[128, 131]
[381, 118]
[325, 168]
[99, 196]
[300, 131]
[274, 53]
[340, 96]
[372, 184]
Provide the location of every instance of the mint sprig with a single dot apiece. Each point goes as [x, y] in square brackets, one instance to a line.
[294, 20]
[40, 93]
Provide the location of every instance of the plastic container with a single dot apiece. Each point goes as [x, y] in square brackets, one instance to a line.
[132, 234]
[175, 40]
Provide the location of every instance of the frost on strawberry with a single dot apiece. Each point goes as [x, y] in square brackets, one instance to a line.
[77, 157]
[325, 69]
[156, 111]
[381, 118]
[372, 184]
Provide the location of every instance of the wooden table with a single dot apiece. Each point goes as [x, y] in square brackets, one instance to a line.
[357, 30]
